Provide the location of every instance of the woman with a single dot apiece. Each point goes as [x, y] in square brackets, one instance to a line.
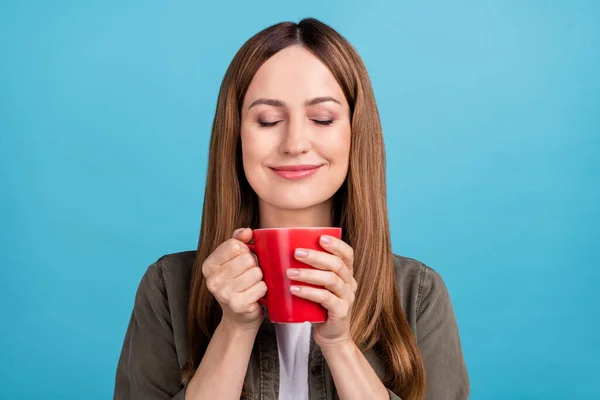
[296, 141]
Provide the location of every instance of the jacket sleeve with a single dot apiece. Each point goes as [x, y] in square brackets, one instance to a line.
[148, 367]
[439, 342]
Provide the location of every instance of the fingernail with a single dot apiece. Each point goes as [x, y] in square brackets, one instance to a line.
[295, 289]
[238, 231]
[293, 272]
[301, 253]
[325, 239]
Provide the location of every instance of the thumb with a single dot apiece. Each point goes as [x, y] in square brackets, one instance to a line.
[243, 235]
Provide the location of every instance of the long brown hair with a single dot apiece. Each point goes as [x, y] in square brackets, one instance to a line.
[360, 206]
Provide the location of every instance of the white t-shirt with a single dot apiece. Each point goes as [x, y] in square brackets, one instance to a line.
[293, 342]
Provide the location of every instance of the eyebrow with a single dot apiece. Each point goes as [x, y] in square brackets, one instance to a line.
[307, 103]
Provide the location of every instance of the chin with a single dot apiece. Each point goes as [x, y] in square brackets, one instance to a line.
[296, 200]
[285, 203]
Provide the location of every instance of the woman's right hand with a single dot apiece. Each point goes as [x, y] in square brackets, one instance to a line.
[235, 280]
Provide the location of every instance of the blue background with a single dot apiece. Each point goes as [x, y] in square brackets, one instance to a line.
[491, 113]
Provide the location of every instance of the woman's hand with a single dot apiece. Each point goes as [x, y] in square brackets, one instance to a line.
[334, 271]
[235, 280]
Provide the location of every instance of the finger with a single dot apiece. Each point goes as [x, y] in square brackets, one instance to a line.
[255, 292]
[237, 266]
[339, 248]
[225, 252]
[336, 306]
[243, 235]
[248, 279]
[327, 279]
[324, 261]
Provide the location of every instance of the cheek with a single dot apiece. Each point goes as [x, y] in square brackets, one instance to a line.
[258, 141]
[338, 144]
[250, 153]
[255, 151]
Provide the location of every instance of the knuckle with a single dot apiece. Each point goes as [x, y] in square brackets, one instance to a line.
[352, 296]
[217, 281]
[205, 269]
[251, 307]
[226, 296]
[242, 260]
[210, 286]
[249, 277]
[234, 245]
[331, 280]
[263, 286]
[339, 265]
[249, 259]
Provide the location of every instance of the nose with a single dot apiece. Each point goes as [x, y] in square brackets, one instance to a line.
[297, 139]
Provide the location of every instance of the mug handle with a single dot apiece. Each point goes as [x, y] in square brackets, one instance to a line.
[262, 300]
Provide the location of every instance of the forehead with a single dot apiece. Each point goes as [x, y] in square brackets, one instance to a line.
[293, 75]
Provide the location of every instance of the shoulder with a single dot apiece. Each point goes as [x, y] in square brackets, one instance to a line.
[416, 283]
[155, 345]
[176, 268]
[167, 280]
[161, 301]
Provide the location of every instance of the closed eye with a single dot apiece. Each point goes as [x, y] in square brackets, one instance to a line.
[268, 124]
[265, 124]
[321, 122]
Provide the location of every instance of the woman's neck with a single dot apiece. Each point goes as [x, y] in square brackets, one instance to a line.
[318, 215]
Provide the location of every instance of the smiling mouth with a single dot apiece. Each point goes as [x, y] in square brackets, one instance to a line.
[295, 172]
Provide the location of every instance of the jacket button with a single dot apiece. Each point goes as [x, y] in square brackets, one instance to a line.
[316, 369]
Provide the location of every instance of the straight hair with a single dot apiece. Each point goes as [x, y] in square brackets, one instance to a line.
[360, 207]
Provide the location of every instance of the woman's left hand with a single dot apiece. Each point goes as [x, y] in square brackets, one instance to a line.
[334, 272]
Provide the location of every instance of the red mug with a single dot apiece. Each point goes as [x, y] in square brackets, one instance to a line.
[274, 248]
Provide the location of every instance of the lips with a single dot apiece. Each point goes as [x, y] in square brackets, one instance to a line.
[295, 172]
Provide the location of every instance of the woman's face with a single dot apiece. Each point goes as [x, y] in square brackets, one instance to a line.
[295, 132]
